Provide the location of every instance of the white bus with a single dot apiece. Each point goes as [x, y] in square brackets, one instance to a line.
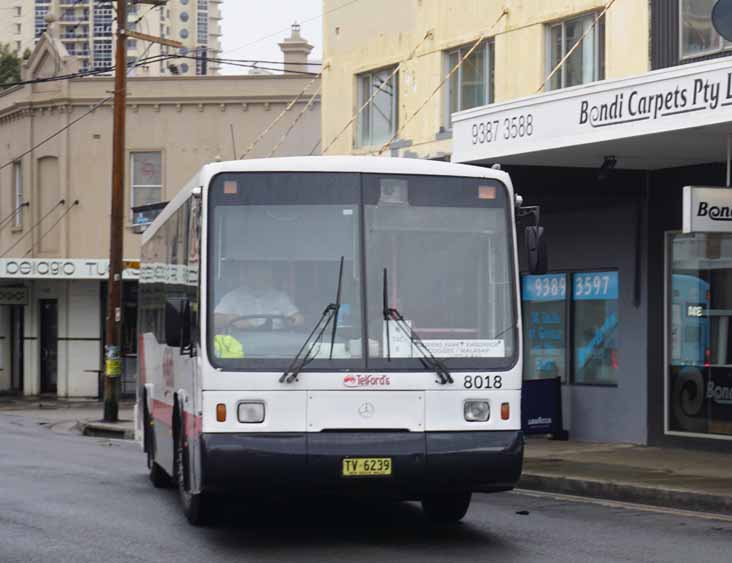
[336, 325]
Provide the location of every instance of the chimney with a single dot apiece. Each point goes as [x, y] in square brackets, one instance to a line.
[295, 50]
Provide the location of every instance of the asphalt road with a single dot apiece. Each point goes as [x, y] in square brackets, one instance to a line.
[64, 498]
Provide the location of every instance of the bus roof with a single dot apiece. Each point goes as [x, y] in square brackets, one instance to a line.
[364, 164]
[358, 164]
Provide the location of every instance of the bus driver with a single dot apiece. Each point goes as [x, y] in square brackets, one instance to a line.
[257, 297]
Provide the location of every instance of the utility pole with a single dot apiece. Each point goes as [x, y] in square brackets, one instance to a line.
[113, 363]
[112, 345]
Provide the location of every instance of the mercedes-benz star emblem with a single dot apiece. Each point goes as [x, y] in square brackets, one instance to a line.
[366, 410]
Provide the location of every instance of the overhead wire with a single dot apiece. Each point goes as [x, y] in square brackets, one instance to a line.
[29, 231]
[43, 141]
[380, 88]
[5, 220]
[275, 33]
[575, 46]
[295, 121]
[277, 119]
[56, 222]
[447, 77]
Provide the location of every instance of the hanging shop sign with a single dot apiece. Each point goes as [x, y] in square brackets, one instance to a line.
[707, 210]
[61, 269]
[666, 100]
[13, 295]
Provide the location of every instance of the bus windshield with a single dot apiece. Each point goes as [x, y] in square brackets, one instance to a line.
[437, 249]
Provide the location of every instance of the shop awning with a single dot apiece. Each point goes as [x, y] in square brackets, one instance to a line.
[662, 119]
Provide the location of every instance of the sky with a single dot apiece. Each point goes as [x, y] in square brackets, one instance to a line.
[247, 23]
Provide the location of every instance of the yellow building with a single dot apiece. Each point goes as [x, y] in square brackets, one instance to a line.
[615, 118]
[365, 41]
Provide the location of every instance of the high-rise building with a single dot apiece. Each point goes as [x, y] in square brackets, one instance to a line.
[88, 31]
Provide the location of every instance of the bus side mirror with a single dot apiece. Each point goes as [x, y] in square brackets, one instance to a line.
[177, 322]
[538, 261]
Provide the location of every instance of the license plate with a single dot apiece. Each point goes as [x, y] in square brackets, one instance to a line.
[366, 466]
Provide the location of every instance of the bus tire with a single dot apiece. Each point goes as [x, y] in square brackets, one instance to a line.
[196, 506]
[446, 508]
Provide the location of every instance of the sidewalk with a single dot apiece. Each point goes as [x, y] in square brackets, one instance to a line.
[82, 415]
[675, 478]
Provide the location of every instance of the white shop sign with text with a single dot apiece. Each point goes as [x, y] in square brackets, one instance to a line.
[59, 269]
[656, 102]
[707, 210]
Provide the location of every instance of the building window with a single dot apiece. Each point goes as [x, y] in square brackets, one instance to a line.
[377, 121]
[595, 327]
[698, 36]
[18, 28]
[18, 11]
[102, 53]
[471, 85]
[698, 335]
[202, 61]
[202, 27]
[147, 177]
[18, 194]
[587, 62]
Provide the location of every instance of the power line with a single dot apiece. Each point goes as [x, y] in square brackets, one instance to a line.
[17, 242]
[64, 128]
[380, 88]
[443, 81]
[56, 222]
[12, 214]
[57, 133]
[276, 120]
[574, 47]
[270, 35]
[296, 121]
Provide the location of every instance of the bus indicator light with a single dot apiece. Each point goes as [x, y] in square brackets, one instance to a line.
[230, 188]
[505, 411]
[221, 412]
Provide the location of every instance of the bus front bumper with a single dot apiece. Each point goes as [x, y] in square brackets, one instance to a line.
[270, 463]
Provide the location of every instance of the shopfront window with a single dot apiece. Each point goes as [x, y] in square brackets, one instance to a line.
[595, 327]
[699, 340]
[545, 326]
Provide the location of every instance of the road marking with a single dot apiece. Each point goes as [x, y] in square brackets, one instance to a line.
[626, 505]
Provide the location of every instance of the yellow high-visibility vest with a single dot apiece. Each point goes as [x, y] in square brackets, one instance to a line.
[226, 346]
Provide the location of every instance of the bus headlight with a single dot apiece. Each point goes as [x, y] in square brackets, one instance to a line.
[477, 411]
[250, 411]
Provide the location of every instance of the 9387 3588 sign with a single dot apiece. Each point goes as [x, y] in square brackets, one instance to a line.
[506, 129]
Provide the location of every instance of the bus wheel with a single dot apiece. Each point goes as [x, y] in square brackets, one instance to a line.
[446, 508]
[195, 506]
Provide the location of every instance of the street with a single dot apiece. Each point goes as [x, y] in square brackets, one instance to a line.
[64, 497]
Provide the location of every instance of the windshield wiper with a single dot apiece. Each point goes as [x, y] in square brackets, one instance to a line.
[329, 314]
[428, 359]
[337, 309]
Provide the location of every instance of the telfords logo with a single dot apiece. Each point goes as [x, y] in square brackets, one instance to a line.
[714, 212]
[353, 380]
